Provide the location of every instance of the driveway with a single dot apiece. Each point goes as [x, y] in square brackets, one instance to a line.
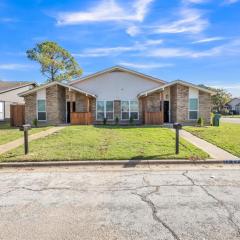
[230, 120]
[120, 204]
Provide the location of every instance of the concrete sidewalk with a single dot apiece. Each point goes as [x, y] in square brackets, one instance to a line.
[214, 151]
[16, 143]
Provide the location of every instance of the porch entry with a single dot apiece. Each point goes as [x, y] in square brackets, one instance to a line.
[69, 110]
[166, 111]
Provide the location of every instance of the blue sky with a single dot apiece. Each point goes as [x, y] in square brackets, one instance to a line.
[192, 40]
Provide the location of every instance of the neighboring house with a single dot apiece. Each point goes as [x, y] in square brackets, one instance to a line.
[9, 95]
[234, 105]
[120, 93]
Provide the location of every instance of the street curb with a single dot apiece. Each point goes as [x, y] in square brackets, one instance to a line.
[124, 163]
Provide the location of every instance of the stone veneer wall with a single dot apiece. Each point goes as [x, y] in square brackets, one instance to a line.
[205, 106]
[30, 108]
[153, 102]
[81, 102]
[56, 104]
[182, 103]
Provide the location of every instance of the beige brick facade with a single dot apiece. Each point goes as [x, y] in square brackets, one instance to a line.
[179, 99]
[56, 104]
[30, 108]
[205, 106]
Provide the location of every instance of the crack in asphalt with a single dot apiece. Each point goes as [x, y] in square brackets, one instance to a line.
[220, 202]
[145, 199]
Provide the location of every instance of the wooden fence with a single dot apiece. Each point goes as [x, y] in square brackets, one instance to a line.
[81, 118]
[17, 115]
[153, 118]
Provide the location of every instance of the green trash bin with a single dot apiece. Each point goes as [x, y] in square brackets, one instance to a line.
[216, 119]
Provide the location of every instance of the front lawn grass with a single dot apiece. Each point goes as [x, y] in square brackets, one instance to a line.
[8, 134]
[226, 136]
[106, 142]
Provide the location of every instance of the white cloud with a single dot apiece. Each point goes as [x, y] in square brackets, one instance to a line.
[230, 1]
[206, 40]
[107, 10]
[15, 66]
[182, 52]
[191, 21]
[101, 52]
[133, 31]
[113, 51]
[195, 1]
[146, 65]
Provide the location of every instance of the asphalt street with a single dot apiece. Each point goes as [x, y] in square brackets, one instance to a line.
[180, 202]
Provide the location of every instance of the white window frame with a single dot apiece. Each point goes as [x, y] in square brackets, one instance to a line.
[3, 105]
[129, 109]
[105, 109]
[189, 110]
[42, 111]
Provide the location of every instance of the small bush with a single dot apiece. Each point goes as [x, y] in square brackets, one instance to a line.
[211, 119]
[200, 122]
[104, 121]
[35, 122]
[117, 120]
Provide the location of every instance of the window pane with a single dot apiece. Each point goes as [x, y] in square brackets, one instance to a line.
[193, 115]
[125, 106]
[134, 115]
[100, 106]
[134, 106]
[1, 107]
[193, 104]
[109, 115]
[41, 106]
[109, 106]
[42, 116]
[125, 115]
[100, 115]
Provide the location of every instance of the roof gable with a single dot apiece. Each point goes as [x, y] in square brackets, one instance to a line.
[118, 69]
[6, 86]
[177, 82]
[54, 83]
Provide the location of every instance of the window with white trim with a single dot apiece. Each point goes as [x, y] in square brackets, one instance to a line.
[105, 110]
[41, 107]
[1, 111]
[193, 108]
[129, 109]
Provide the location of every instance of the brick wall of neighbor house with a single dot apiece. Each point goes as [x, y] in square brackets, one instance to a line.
[205, 105]
[56, 104]
[30, 108]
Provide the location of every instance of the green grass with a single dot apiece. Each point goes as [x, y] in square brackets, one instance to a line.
[227, 136]
[105, 142]
[8, 134]
[231, 116]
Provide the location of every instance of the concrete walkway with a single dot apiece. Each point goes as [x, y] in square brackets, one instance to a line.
[230, 120]
[16, 143]
[214, 151]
